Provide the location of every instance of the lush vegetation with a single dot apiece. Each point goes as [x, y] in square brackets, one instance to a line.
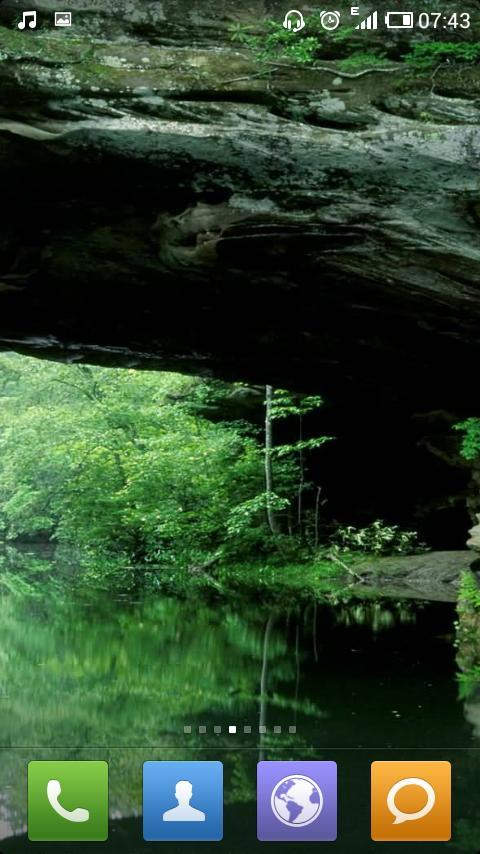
[137, 468]
[149, 479]
[275, 44]
[467, 634]
[378, 539]
[425, 55]
[471, 437]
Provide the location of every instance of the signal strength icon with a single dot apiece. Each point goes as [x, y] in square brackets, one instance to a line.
[370, 23]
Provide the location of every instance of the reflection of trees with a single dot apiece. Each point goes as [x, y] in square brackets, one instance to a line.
[96, 674]
[264, 682]
[121, 674]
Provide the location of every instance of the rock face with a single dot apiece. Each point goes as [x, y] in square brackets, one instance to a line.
[433, 576]
[474, 541]
[187, 207]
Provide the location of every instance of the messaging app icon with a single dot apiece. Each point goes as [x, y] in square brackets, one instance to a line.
[411, 801]
[182, 801]
[68, 801]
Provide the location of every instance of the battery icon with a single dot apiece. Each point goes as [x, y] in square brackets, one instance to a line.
[399, 20]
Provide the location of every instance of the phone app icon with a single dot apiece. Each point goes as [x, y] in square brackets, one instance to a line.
[68, 801]
[183, 801]
[411, 801]
[297, 801]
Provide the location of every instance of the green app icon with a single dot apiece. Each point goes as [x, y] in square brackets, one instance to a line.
[68, 801]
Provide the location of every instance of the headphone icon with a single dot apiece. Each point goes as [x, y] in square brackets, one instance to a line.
[290, 19]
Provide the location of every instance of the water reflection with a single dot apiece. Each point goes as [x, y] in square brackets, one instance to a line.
[120, 680]
[134, 674]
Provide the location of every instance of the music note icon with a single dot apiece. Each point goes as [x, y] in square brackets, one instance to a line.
[32, 24]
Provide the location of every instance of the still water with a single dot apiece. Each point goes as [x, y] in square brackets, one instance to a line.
[120, 680]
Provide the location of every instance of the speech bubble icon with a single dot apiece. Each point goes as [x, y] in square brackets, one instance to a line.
[400, 816]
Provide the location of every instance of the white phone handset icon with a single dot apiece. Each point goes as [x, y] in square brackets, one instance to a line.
[54, 790]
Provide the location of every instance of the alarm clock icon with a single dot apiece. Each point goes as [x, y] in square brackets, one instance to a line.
[330, 20]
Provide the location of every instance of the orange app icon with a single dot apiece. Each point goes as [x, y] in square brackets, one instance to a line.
[411, 801]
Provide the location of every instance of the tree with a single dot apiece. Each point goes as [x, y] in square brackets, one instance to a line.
[136, 470]
[280, 404]
[118, 462]
[269, 493]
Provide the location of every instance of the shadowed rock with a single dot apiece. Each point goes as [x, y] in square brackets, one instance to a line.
[187, 208]
[474, 541]
[434, 576]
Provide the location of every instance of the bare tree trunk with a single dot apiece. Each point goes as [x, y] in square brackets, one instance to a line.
[271, 517]
[301, 483]
[317, 517]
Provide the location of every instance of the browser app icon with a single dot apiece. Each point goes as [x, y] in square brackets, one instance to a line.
[296, 801]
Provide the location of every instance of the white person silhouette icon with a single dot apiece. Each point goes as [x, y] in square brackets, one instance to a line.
[184, 812]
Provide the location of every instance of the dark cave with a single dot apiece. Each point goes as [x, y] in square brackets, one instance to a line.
[223, 226]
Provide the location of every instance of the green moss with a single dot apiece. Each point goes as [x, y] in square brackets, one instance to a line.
[363, 59]
[49, 49]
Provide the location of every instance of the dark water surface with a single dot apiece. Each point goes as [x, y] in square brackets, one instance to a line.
[120, 680]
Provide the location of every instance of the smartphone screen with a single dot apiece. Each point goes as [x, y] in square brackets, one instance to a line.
[239, 426]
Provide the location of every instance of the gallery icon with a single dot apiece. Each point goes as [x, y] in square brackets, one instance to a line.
[183, 801]
[68, 801]
[297, 801]
[411, 801]
[63, 19]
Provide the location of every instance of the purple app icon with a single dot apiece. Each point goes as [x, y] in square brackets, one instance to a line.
[297, 801]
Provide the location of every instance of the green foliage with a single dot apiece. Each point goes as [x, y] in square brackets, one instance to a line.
[363, 59]
[282, 405]
[467, 634]
[425, 55]
[468, 681]
[302, 445]
[285, 404]
[377, 538]
[118, 462]
[136, 471]
[471, 440]
[277, 44]
[469, 592]
[135, 474]
[243, 516]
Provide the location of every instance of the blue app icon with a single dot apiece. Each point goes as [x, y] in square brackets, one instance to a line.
[183, 801]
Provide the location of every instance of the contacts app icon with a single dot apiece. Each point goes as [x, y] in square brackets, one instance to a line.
[411, 801]
[182, 801]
